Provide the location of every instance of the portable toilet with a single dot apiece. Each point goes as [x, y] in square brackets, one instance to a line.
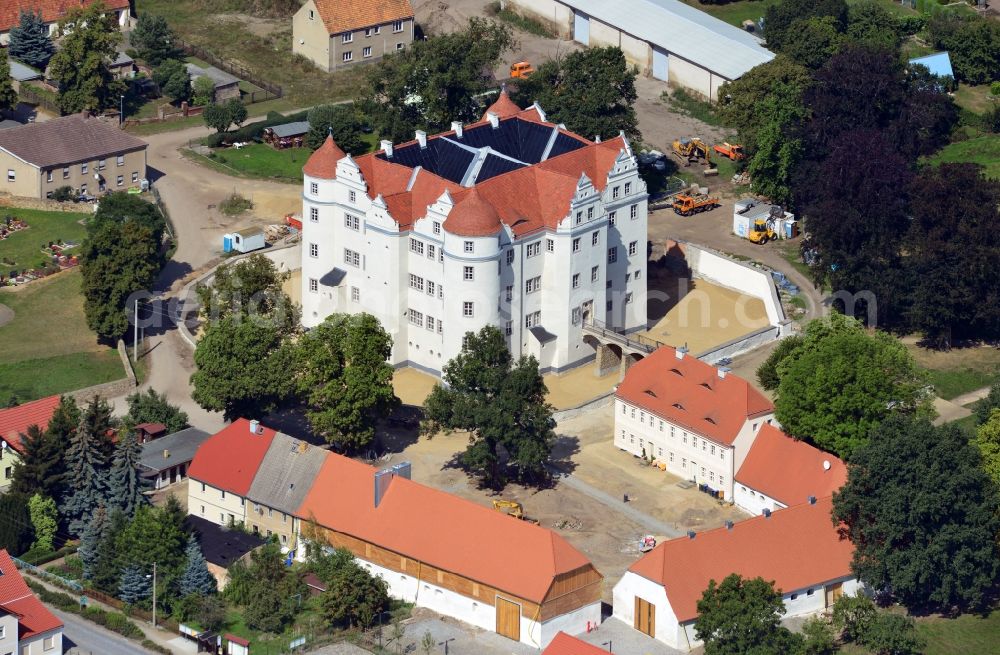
[227, 243]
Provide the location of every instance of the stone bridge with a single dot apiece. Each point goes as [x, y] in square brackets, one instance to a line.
[616, 350]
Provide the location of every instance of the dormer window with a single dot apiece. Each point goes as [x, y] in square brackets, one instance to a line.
[650, 392]
[678, 406]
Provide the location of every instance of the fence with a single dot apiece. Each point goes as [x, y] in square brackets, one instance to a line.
[166, 214]
[33, 96]
[268, 91]
[45, 575]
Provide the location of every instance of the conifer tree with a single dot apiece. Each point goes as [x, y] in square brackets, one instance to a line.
[90, 541]
[196, 578]
[40, 469]
[86, 460]
[30, 42]
[125, 486]
[8, 96]
[134, 586]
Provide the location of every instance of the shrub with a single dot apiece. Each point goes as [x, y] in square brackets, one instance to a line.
[63, 193]
[148, 644]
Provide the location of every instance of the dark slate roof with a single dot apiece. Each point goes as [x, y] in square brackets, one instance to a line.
[484, 151]
[181, 445]
[290, 129]
[286, 473]
[333, 278]
[67, 140]
[221, 546]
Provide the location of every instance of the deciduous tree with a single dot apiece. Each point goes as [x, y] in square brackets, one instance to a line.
[203, 91]
[973, 44]
[344, 378]
[767, 372]
[988, 441]
[8, 96]
[250, 288]
[29, 40]
[869, 22]
[151, 407]
[813, 40]
[782, 21]
[436, 81]
[173, 79]
[153, 39]
[923, 516]
[217, 117]
[89, 44]
[592, 91]
[500, 403]
[124, 207]
[853, 615]
[842, 382]
[44, 521]
[739, 616]
[985, 407]
[352, 595]
[237, 111]
[342, 121]
[15, 528]
[893, 634]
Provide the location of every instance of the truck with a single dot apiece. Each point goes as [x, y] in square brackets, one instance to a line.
[732, 151]
[687, 204]
[521, 69]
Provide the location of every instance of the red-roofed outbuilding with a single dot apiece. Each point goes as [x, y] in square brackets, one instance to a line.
[695, 420]
[798, 548]
[564, 644]
[26, 625]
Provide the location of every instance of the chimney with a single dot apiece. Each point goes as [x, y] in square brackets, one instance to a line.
[166, 454]
[767, 513]
[812, 500]
[691, 534]
[422, 138]
[254, 424]
[456, 127]
[494, 119]
[387, 148]
[729, 525]
[385, 476]
[722, 372]
[680, 352]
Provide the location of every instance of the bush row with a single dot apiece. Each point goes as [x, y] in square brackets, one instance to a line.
[39, 557]
[114, 621]
[254, 131]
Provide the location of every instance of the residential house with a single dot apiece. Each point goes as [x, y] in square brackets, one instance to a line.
[564, 644]
[337, 33]
[226, 86]
[14, 422]
[798, 548]
[511, 221]
[88, 154]
[780, 471]
[54, 11]
[27, 627]
[223, 469]
[279, 487]
[221, 545]
[693, 419]
[668, 40]
[166, 460]
[453, 556]
[122, 66]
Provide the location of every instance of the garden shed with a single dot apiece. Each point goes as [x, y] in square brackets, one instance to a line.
[286, 135]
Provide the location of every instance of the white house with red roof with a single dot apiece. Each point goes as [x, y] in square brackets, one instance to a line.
[695, 420]
[797, 548]
[14, 422]
[53, 11]
[27, 627]
[511, 221]
[780, 471]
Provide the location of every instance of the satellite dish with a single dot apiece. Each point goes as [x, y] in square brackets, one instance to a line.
[3, 445]
[826, 465]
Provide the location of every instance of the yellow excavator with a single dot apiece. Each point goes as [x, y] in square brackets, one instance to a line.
[512, 508]
[762, 231]
[692, 149]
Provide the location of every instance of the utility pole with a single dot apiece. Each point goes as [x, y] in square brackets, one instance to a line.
[154, 575]
[135, 342]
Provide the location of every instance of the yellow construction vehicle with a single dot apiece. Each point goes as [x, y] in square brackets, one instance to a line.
[692, 149]
[512, 508]
[762, 231]
[687, 204]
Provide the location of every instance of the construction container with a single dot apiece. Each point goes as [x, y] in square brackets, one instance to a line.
[248, 240]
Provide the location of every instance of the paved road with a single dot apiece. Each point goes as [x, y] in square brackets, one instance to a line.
[82, 637]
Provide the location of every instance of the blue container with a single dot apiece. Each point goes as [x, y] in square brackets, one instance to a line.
[789, 230]
[227, 243]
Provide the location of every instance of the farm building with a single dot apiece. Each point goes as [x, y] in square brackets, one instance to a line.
[780, 471]
[226, 86]
[798, 548]
[666, 39]
[286, 135]
[564, 644]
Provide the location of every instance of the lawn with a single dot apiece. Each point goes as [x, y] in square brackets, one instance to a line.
[959, 370]
[983, 150]
[735, 13]
[23, 248]
[47, 348]
[270, 56]
[966, 634]
[256, 109]
[952, 383]
[974, 97]
[259, 160]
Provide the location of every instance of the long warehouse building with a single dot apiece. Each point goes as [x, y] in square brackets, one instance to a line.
[667, 39]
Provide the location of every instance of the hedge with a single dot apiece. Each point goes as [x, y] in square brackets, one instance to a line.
[254, 131]
[45, 556]
[114, 621]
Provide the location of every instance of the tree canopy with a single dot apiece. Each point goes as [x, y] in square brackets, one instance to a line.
[250, 288]
[342, 121]
[988, 441]
[841, 382]
[739, 616]
[89, 44]
[500, 403]
[923, 516]
[151, 407]
[153, 39]
[783, 21]
[435, 81]
[8, 96]
[86, 462]
[344, 379]
[30, 42]
[173, 79]
[591, 91]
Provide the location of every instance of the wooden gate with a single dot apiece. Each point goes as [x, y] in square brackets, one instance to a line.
[833, 592]
[645, 617]
[508, 619]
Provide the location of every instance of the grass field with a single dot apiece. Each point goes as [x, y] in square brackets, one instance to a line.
[47, 348]
[257, 109]
[735, 13]
[270, 56]
[260, 160]
[24, 248]
[983, 150]
[959, 370]
[974, 97]
[966, 634]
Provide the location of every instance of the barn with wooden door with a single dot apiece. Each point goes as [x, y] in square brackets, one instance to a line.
[453, 556]
[798, 547]
[667, 39]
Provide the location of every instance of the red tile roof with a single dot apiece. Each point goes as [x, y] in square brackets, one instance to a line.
[52, 10]
[789, 470]
[33, 618]
[503, 107]
[691, 394]
[229, 459]
[439, 529]
[151, 428]
[347, 15]
[798, 547]
[14, 421]
[472, 216]
[323, 162]
[563, 644]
